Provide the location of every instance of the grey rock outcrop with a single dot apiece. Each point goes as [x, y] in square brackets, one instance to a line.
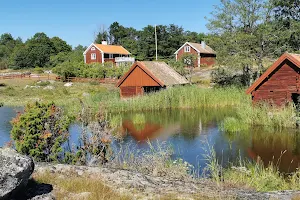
[15, 170]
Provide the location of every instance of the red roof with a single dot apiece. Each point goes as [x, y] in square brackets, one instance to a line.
[294, 58]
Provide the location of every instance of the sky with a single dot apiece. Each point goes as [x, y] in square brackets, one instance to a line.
[77, 21]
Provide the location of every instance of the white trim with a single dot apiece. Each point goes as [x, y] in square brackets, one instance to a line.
[84, 58]
[102, 57]
[176, 57]
[90, 47]
[187, 49]
[189, 45]
[93, 56]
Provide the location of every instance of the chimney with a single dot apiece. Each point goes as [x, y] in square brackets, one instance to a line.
[203, 44]
[104, 42]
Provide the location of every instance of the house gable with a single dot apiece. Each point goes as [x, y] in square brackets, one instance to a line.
[285, 58]
[92, 49]
[138, 76]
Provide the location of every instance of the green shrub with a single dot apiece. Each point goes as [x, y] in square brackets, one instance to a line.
[40, 131]
[38, 70]
[42, 83]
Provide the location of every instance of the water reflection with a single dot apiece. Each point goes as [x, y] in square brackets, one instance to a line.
[282, 148]
[192, 133]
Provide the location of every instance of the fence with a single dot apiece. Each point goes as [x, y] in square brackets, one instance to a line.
[57, 78]
[29, 77]
[86, 80]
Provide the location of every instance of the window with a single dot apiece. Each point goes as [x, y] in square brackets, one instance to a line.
[93, 48]
[93, 56]
[187, 49]
[111, 56]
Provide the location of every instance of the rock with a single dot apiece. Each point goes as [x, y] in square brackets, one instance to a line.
[27, 86]
[15, 170]
[68, 84]
[49, 87]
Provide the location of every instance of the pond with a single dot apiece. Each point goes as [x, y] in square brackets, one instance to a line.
[192, 134]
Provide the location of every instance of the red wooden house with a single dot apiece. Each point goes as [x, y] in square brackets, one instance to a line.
[148, 76]
[204, 54]
[280, 83]
[100, 53]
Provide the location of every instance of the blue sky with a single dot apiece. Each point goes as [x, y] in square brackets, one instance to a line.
[76, 21]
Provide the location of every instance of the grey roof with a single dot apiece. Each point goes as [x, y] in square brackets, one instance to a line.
[207, 49]
[165, 73]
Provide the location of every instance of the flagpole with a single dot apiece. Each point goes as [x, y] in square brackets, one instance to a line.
[155, 42]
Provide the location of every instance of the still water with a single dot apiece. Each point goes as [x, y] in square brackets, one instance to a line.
[192, 134]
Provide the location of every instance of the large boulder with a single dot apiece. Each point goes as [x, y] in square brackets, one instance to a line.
[15, 170]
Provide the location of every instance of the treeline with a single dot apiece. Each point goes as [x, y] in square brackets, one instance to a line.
[38, 51]
[141, 43]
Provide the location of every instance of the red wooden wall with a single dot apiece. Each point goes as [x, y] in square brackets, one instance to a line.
[88, 59]
[133, 84]
[280, 85]
[206, 59]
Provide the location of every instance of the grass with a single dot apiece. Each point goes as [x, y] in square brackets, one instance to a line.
[253, 175]
[269, 117]
[182, 97]
[73, 185]
[155, 161]
[15, 94]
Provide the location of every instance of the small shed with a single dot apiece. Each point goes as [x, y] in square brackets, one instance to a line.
[148, 76]
[280, 83]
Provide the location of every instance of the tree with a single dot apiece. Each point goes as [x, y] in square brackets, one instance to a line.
[59, 46]
[41, 131]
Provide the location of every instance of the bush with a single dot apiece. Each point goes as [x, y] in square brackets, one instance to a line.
[38, 70]
[41, 131]
[226, 77]
[95, 70]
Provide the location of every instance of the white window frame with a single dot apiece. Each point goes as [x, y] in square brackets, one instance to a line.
[93, 56]
[187, 49]
[93, 48]
[110, 56]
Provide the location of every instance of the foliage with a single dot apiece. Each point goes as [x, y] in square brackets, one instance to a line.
[95, 70]
[41, 131]
[244, 32]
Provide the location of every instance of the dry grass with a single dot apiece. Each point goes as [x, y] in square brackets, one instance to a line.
[15, 94]
[71, 186]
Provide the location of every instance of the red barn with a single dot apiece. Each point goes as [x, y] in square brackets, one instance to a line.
[100, 53]
[148, 76]
[205, 55]
[280, 83]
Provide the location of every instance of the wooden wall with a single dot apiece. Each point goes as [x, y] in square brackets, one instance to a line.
[88, 59]
[207, 59]
[193, 51]
[133, 84]
[280, 85]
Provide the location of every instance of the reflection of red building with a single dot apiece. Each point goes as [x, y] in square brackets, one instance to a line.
[149, 131]
[143, 133]
[277, 151]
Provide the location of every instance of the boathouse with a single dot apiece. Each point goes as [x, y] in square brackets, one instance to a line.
[148, 76]
[280, 83]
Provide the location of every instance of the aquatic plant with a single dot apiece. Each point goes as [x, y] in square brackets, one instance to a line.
[182, 97]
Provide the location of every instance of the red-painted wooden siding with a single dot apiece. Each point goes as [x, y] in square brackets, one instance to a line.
[278, 88]
[133, 84]
[206, 59]
[88, 59]
[138, 78]
[193, 51]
